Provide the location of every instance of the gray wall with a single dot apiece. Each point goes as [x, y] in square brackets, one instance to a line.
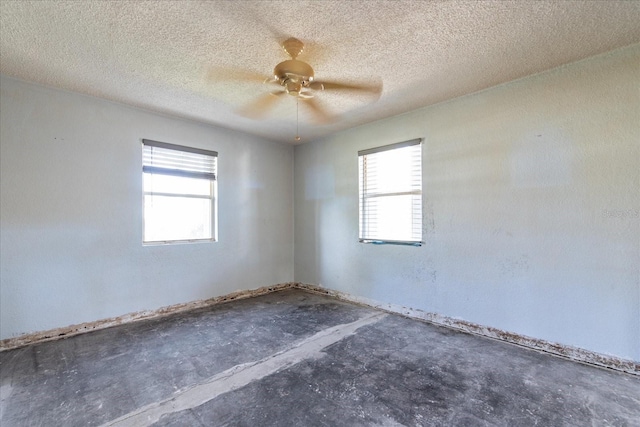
[531, 208]
[71, 208]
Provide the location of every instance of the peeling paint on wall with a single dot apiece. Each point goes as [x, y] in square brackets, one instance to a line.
[68, 331]
[568, 352]
[565, 351]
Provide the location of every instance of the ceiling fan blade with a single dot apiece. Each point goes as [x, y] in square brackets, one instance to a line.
[229, 73]
[319, 113]
[261, 105]
[375, 88]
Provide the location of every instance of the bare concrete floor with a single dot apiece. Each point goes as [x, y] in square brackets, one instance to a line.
[297, 359]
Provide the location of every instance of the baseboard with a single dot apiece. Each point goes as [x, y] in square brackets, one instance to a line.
[67, 331]
[568, 352]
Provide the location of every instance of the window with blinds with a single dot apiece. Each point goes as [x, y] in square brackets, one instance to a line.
[179, 185]
[391, 193]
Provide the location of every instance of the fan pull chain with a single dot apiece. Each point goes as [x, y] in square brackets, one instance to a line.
[297, 119]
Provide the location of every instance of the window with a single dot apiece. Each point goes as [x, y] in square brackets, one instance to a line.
[179, 185]
[391, 193]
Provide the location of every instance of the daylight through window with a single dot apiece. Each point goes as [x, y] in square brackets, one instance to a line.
[391, 193]
[179, 185]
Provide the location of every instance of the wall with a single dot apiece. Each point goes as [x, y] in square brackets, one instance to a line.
[71, 209]
[531, 208]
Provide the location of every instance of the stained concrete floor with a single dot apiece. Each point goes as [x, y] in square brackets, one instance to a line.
[297, 359]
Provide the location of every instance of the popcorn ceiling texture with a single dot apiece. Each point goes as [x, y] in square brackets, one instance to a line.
[156, 54]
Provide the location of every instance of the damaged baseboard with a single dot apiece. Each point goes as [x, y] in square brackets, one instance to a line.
[568, 352]
[67, 331]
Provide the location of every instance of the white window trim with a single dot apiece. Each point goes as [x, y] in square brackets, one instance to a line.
[212, 197]
[362, 195]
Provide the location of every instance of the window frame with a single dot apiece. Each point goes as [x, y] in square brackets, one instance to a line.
[212, 196]
[362, 194]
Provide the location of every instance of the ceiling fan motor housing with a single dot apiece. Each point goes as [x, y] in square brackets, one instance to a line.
[293, 75]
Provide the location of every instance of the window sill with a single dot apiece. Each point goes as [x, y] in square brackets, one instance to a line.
[179, 242]
[390, 242]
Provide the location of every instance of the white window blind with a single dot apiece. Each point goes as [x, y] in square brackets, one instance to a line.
[391, 193]
[176, 160]
[179, 186]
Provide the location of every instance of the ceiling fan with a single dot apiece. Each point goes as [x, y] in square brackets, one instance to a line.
[296, 78]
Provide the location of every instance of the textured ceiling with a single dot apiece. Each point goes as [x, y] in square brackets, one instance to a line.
[158, 55]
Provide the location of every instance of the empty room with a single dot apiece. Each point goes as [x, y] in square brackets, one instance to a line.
[319, 213]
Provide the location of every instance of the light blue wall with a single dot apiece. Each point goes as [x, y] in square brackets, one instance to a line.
[531, 208]
[71, 208]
